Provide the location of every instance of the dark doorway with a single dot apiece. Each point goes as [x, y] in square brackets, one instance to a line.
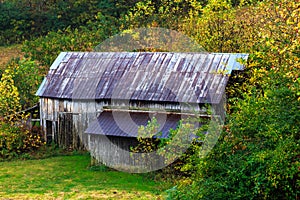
[49, 136]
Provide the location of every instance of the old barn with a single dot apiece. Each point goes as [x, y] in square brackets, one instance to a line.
[97, 100]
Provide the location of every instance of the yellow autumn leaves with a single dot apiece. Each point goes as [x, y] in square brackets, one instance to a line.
[9, 96]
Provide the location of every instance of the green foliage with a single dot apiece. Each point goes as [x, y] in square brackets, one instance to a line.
[13, 23]
[18, 85]
[258, 154]
[9, 96]
[45, 49]
[166, 14]
[147, 142]
[177, 150]
[26, 78]
[117, 8]
[26, 20]
[181, 145]
[17, 140]
[216, 29]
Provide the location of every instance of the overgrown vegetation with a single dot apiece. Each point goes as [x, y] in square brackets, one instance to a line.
[258, 154]
[16, 141]
[16, 135]
[24, 20]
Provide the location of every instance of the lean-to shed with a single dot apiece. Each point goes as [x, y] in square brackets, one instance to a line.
[85, 92]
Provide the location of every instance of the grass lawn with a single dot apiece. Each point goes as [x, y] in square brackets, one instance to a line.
[70, 177]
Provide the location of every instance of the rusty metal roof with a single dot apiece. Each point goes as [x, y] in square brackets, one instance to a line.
[144, 76]
[125, 124]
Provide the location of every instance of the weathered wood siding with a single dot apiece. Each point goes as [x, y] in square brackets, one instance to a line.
[115, 152]
[70, 118]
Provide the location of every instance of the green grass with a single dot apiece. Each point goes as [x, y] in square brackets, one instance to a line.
[70, 177]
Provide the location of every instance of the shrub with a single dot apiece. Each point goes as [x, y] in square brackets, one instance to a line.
[257, 157]
[258, 154]
[9, 96]
[17, 140]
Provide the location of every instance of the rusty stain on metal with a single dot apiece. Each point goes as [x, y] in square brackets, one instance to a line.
[142, 76]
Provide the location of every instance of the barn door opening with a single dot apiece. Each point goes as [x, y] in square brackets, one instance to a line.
[49, 132]
[67, 132]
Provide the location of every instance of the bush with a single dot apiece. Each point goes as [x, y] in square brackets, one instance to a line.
[257, 156]
[26, 76]
[17, 140]
[9, 96]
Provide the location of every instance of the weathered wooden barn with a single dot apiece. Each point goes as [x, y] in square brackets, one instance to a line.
[97, 100]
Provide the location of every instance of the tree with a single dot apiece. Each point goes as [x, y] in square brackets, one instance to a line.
[9, 97]
[166, 14]
[27, 77]
[258, 153]
[85, 38]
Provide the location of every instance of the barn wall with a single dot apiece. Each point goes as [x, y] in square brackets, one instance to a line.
[115, 152]
[64, 121]
[148, 105]
[68, 119]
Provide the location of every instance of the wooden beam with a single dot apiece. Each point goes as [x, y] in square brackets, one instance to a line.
[156, 111]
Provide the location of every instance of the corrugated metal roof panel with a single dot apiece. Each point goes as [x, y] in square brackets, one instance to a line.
[41, 89]
[125, 124]
[159, 76]
[58, 60]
